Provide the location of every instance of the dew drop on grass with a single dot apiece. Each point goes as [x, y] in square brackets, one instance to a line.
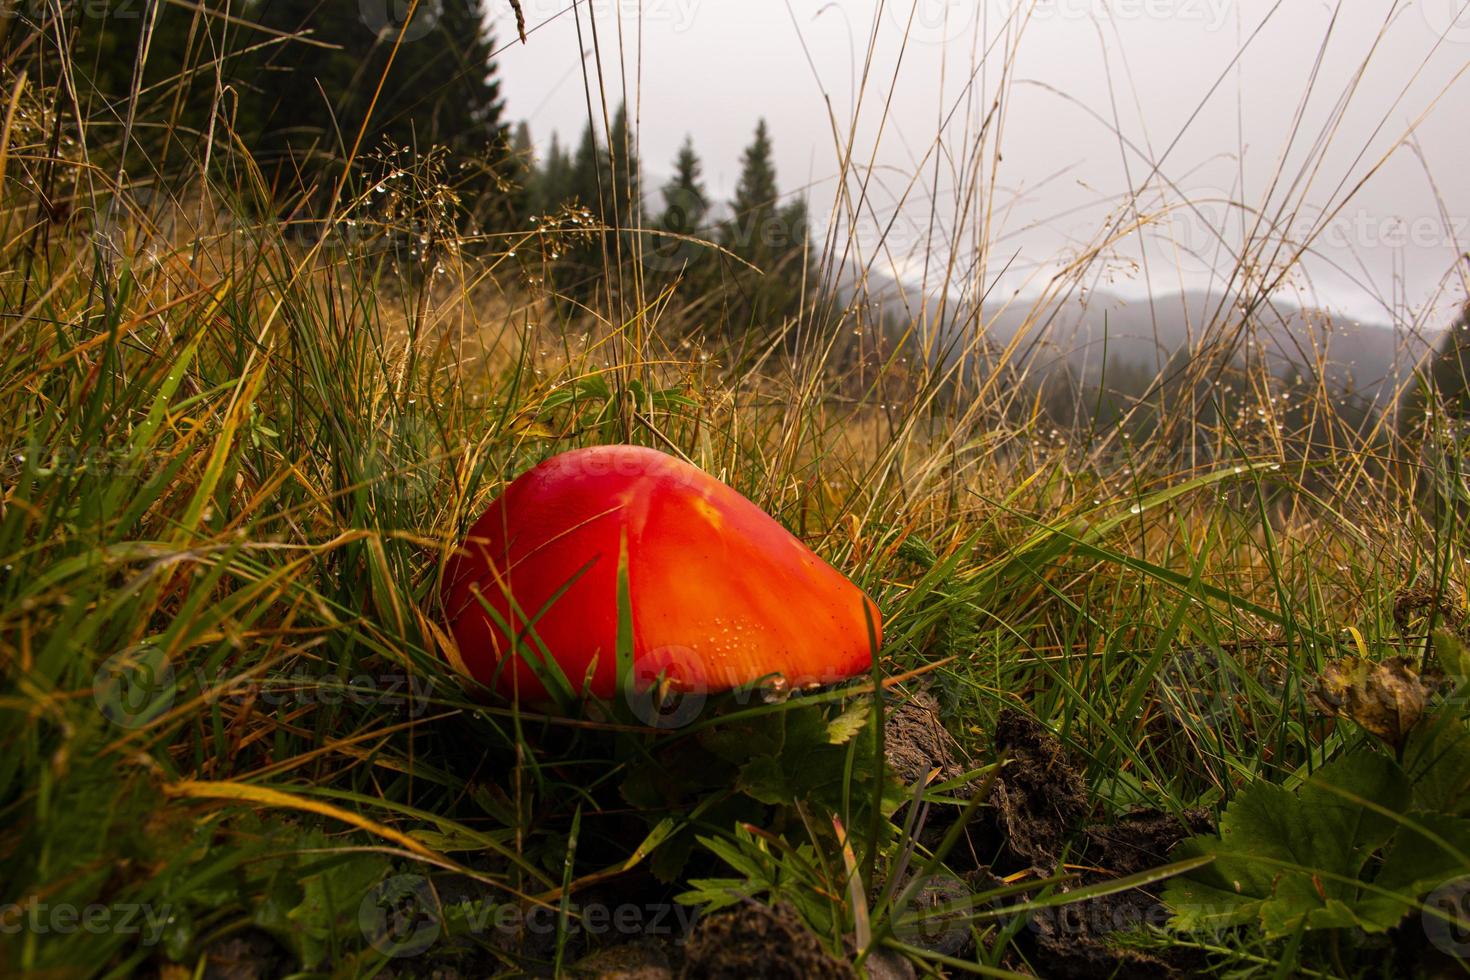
[1135, 509]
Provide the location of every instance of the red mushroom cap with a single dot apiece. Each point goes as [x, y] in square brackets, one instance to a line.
[721, 595]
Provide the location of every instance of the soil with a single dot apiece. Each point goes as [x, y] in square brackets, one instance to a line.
[759, 941]
[1039, 799]
[1039, 819]
[251, 955]
[917, 743]
[638, 960]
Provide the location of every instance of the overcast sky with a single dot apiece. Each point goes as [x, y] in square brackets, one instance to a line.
[1098, 94]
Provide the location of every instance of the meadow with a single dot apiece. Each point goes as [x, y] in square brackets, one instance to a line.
[1178, 686]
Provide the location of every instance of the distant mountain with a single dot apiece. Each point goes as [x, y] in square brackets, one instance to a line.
[1371, 359]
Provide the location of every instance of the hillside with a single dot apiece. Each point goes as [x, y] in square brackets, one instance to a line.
[1372, 360]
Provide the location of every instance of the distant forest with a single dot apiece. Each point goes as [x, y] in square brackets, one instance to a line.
[296, 81]
[745, 264]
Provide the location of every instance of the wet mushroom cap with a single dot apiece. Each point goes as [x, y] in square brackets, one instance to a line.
[721, 594]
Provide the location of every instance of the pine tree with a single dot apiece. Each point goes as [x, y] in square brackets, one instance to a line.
[768, 236]
[685, 202]
[793, 245]
[172, 88]
[755, 199]
[525, 174]
[591, 172]
[686, 206]
[1446, 384]
[627, 190]
[554, 180]
[441, 89]
[1450, 370]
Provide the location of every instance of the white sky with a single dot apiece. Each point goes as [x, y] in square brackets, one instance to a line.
[710, 68]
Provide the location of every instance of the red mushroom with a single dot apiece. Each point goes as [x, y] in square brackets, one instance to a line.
[720, 594]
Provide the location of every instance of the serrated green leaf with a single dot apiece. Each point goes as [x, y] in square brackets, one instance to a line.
[731, 852]
[1292, 860]
[1437, 760]
[844, 727]
[1430, 849]
[763, 778]
[1453, 656]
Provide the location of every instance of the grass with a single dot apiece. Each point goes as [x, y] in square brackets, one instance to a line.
[236, 454]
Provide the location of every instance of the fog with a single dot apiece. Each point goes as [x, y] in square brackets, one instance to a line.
[1108, 114]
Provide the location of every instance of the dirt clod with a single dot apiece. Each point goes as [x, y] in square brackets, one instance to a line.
[917, 743]
[1142, 839]
[251, 955]
[1073, 940]
[642, 960]
[1039, 798]
[755, 940]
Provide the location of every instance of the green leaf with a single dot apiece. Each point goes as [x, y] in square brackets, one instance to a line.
[1453, 656]
[1437, 759]
[330, 898]
[1430, 849]
[731, 852]
[764, 778]
[844, 727]
[1292, 860]
[624, 650]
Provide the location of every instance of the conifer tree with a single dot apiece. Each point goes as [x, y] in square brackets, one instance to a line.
[1446, 384]
[313, 100]
[755, 199]
[526, 176]
[685, 202]
[1450, 370]
[554, 181]
[768, 236]
[627, 189]
[591, 173]
[686, 207]
[101, 59]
